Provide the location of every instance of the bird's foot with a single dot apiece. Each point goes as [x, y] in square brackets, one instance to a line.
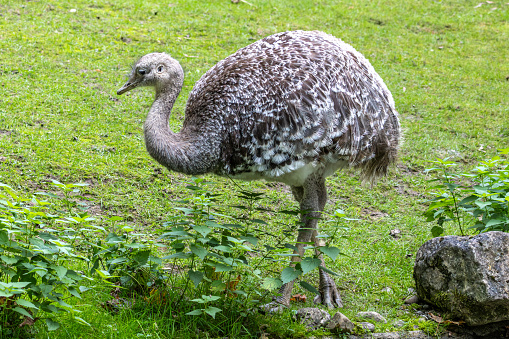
[328, 292]
[281, 301]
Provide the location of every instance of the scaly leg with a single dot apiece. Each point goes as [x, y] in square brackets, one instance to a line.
[329, 294]
[311, 197]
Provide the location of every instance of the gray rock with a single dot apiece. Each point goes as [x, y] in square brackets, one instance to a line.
[372, 316]
[367, 326]
[397, 335]
[466, 277]
[273, 307]
[399, 323]
[412, 300]
[312, 317]
[340, 323]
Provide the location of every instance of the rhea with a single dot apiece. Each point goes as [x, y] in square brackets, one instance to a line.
[293, 107]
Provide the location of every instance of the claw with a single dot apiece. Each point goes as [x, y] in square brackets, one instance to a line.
[329, 294]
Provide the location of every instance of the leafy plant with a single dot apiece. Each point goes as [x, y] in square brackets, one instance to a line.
[210, 310]
[478, 200]
[224, 256]
[35, 264]
[128, 259]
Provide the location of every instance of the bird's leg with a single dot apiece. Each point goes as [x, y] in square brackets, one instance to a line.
[305, 236]
[312, 198]
[328, 292]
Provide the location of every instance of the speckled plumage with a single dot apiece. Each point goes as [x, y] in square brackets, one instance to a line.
[297, 98]
[293, 107]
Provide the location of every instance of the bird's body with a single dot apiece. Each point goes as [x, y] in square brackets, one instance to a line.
[292, 104]
[293, 107]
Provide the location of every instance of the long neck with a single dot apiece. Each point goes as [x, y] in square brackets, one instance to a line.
[185, 152]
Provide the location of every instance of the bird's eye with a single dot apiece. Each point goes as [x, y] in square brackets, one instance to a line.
[142, 71]
[160, 69]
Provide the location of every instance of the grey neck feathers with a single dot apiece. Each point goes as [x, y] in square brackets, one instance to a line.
[185, 152]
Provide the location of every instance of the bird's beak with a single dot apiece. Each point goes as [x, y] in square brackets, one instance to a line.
[129, 85]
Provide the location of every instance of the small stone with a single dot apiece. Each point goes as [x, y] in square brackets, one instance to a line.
[387, 290]
[367, 326]
[412, 300]
[411, 290]
[372, 316]
[340, 323]
[272, 308]
[395, 233]
[399, 323]
[312, 317]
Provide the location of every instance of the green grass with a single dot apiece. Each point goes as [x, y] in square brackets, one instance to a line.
[444, 61]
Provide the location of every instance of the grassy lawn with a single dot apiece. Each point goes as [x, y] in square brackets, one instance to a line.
[445, 62]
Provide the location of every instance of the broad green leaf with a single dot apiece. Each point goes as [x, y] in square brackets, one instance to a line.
[331, 252]
[117, 261]
[451, 186]
[309, 264]
[222, 248]
[4, 238]
[103, 274]
[203, 230]
[235, 240]
[62, 303]
[179, 255]
[308, 287]
[199, 251]
[289, 274]
[481, 190]
[212, 311]
[291, 246]
[141, 257]
[9, 260]
[40, 271]
[222, 267]
[468, 200]
[73, 291]
[22, 311]
[251, 240]
[271, 283]
[195, 312]
[196, 277]
[436, 231]
[60, 271]
[218, 285]
[112, 238]
[493, 222]
[483, 204]
[176, 233]
[209, 298]
[26, 303]
[52, 325]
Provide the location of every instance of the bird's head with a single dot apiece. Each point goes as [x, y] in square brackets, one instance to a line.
[155, 69]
